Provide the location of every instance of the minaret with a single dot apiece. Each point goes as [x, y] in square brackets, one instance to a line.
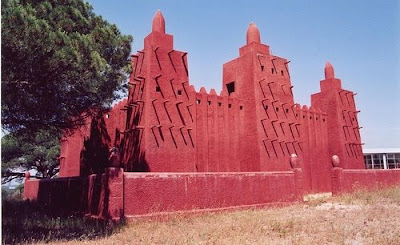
[262, 81]
[343, 128]
[161, 131]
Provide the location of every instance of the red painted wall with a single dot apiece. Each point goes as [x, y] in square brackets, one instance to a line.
[346, 180]
[71, 148]
[313, 149]
[116, 194]
[147, 193]
[109, 129]
[115, 121]
[98, 195]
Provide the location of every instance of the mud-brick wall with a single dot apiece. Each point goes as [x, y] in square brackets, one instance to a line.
[313, 149]
[219, 121]
[98, 195]
[160, 125]
[276, 119]
[347, 180]
[71, 148]
[115, 123]
[146, 193]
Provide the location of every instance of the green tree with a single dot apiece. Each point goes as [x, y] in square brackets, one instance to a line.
[23, 151]
[60, 63]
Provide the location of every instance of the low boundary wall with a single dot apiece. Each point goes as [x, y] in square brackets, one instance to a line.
[151, 193]
[347, 180]
[116, 194]
[97, 195]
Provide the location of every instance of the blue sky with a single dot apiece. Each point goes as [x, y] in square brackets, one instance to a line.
[360, 38]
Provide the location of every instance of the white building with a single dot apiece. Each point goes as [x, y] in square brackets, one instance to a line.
[382, 158]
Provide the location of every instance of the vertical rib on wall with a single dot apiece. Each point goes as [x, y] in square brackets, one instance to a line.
[218, 122]
[315, 159]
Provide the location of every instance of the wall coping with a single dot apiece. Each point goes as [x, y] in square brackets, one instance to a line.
[370, 170]
[179, 174]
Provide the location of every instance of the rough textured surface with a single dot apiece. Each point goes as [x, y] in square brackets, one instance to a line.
[98, 195]
[346, 180]
[115, 194]
[168, 192]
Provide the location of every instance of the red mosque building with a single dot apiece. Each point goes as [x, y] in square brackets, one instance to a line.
[252, 125]
[248, 140]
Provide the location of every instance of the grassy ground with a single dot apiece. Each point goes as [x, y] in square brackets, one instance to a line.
[25, 223]
[358, 218]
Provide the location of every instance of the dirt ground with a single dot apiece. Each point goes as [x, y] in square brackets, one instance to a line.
[359, 218]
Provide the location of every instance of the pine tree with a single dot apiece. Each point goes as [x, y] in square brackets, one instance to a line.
[60, 63]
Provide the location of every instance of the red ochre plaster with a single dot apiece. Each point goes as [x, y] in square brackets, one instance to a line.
[253, 125]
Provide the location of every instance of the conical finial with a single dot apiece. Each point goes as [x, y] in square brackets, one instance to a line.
[329, 72]
[253, 34]
[158, 22]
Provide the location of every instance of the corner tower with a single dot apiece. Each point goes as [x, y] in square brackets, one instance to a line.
[159, 124]
[344, 137]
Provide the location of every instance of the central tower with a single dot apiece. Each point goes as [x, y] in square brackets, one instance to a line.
[262, 80]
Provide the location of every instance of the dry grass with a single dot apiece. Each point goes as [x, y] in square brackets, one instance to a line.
[26, 222]
[359, 218]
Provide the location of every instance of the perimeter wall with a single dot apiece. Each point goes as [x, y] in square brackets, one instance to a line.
[116, 194]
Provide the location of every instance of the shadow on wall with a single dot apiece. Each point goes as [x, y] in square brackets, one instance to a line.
[90, 195]
[95, 153]
[94, 156]
[76, 195]
[141, 164]
[60, 208]
[133, 158]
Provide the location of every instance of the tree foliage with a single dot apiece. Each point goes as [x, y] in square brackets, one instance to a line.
[23, 151]
[60, 61]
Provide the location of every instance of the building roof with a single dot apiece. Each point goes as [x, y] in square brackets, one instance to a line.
[381, 150]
